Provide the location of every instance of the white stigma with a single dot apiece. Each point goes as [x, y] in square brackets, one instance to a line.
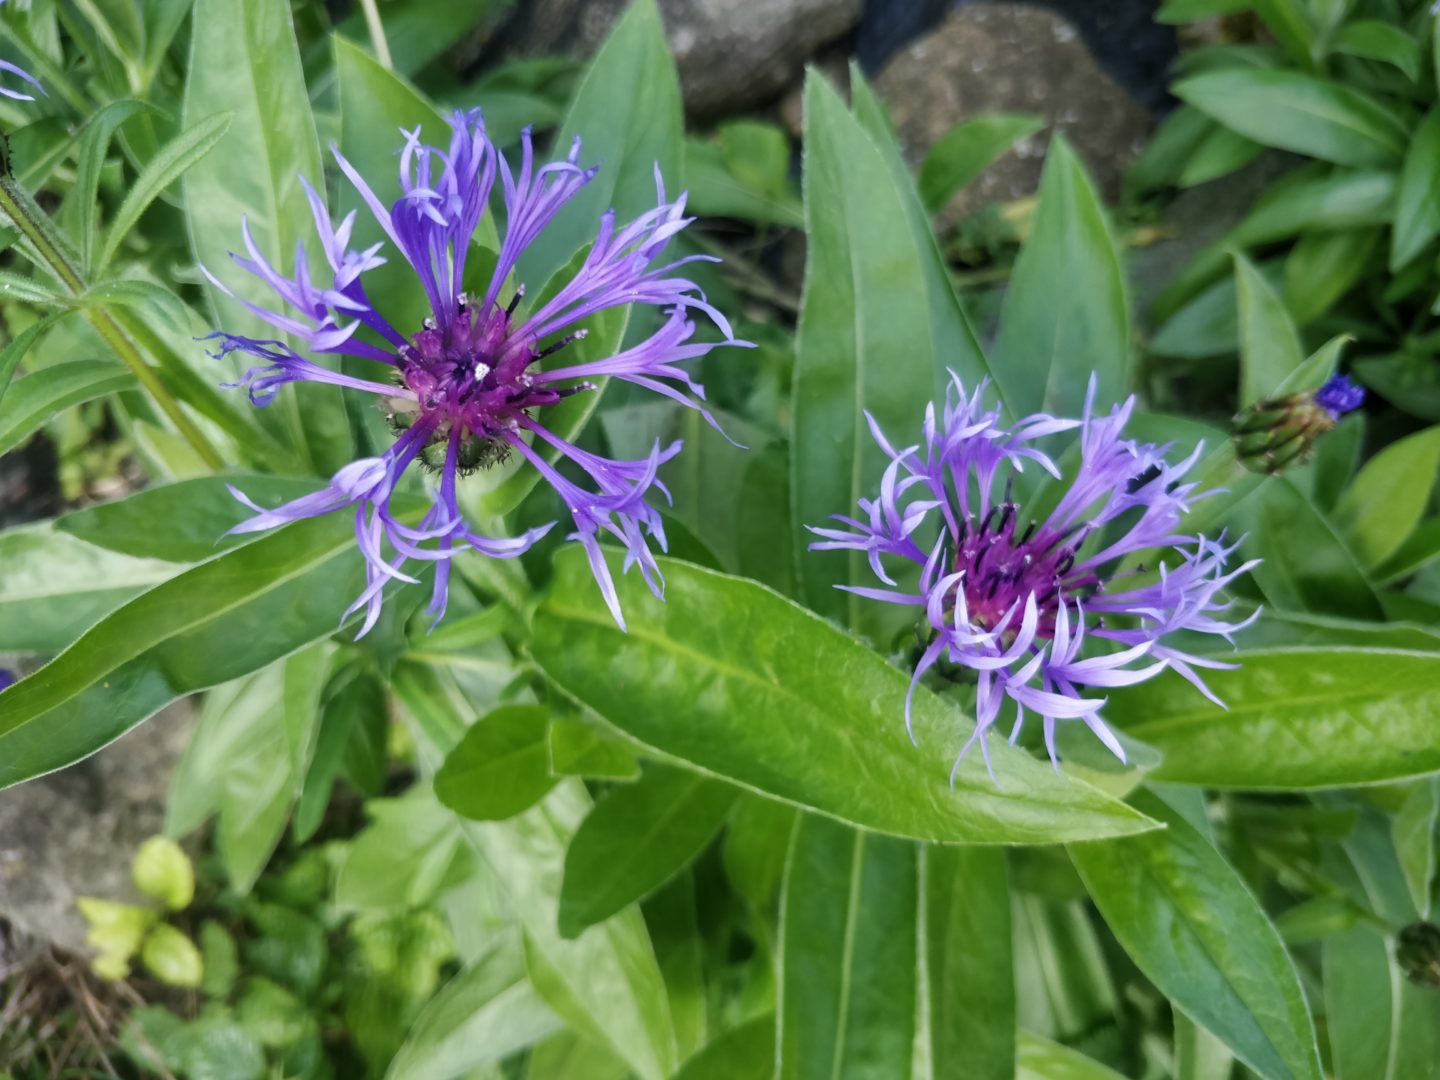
[481, 369]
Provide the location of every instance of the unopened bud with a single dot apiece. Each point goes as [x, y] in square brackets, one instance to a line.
[1272, 434]
[1417, 951]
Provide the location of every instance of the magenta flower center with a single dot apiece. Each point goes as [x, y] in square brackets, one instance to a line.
[472, 376]
[1001, 569]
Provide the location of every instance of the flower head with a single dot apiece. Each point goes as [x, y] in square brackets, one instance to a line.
[465, 390]
[1271, 434]
[1339, 396]
[1039, 613]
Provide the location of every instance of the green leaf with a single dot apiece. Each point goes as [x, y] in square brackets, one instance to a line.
[1305, 718]
[1413, 830]
[54, 587]
[162, 870]
[247, 760]
[847, 955]
[360, 703]
[1380, 1025]
[1294, 111]
[225, 618]
[779, 701]
[1313, 198]
[744, 173]
[196, 515]
[484, 1014]
[1417, 196]
[633, 75]
[1306, 565]
[1041, 1059]
[1324, 266]
[952, 339]
[969, 969]
[756, 845]
[219, 960]
[16, 349]
[878, 325]
[420, 30]
[579, 748]
[172, 957]
[1372, 39]
[1218, 154]
[1065, 314]
[967, 150]
[402, 858]
[673, 921]
[34, 399]
[82, 204]
[635, 840]
[155, 301]
[1189, 923]
[1269, 344]
[244, 60]
[167, 166]
[746, 1052]
[501, 767]
[1385, 501]
[606, 983]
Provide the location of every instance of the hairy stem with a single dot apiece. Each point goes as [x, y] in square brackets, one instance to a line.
[35, 226]
[377, 34]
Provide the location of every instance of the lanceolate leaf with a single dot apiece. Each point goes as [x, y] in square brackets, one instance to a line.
[606, 983]
[1294, 111]
[244, 60]
[1064, 316]
[195, 514]
[1189, 923]
[636, 839]
[1269, 345]
[223, 619]
[778, 700]
[54, 586]
[1295, 718]
[969, 969]
[847, 955]
[867, 339]
[36, 398]
[168, 165]
[633, 75]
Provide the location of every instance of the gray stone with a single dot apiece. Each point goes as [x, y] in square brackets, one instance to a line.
[731, 53]
[73, 833]
[1007, 57]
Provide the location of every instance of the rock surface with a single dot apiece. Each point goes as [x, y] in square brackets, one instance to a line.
[1006, 57]
[731, 53]
[73, 833]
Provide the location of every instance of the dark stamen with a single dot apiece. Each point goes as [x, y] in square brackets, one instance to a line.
[515, 301]
[579, 335]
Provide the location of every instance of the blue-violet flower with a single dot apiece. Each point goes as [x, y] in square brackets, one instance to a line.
[1017, 604]
[465, 391]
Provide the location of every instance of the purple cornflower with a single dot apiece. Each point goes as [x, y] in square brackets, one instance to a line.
[13, 69]
[1016, 605]
[464, 391]
[1339, 396]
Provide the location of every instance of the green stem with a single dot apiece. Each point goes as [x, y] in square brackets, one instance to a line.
[32, 222]
[377, 34]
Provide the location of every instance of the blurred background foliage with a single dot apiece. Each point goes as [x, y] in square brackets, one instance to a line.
[465, 853]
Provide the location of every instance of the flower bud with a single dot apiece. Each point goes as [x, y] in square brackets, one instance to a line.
[1273, 433]
[1417, 951]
